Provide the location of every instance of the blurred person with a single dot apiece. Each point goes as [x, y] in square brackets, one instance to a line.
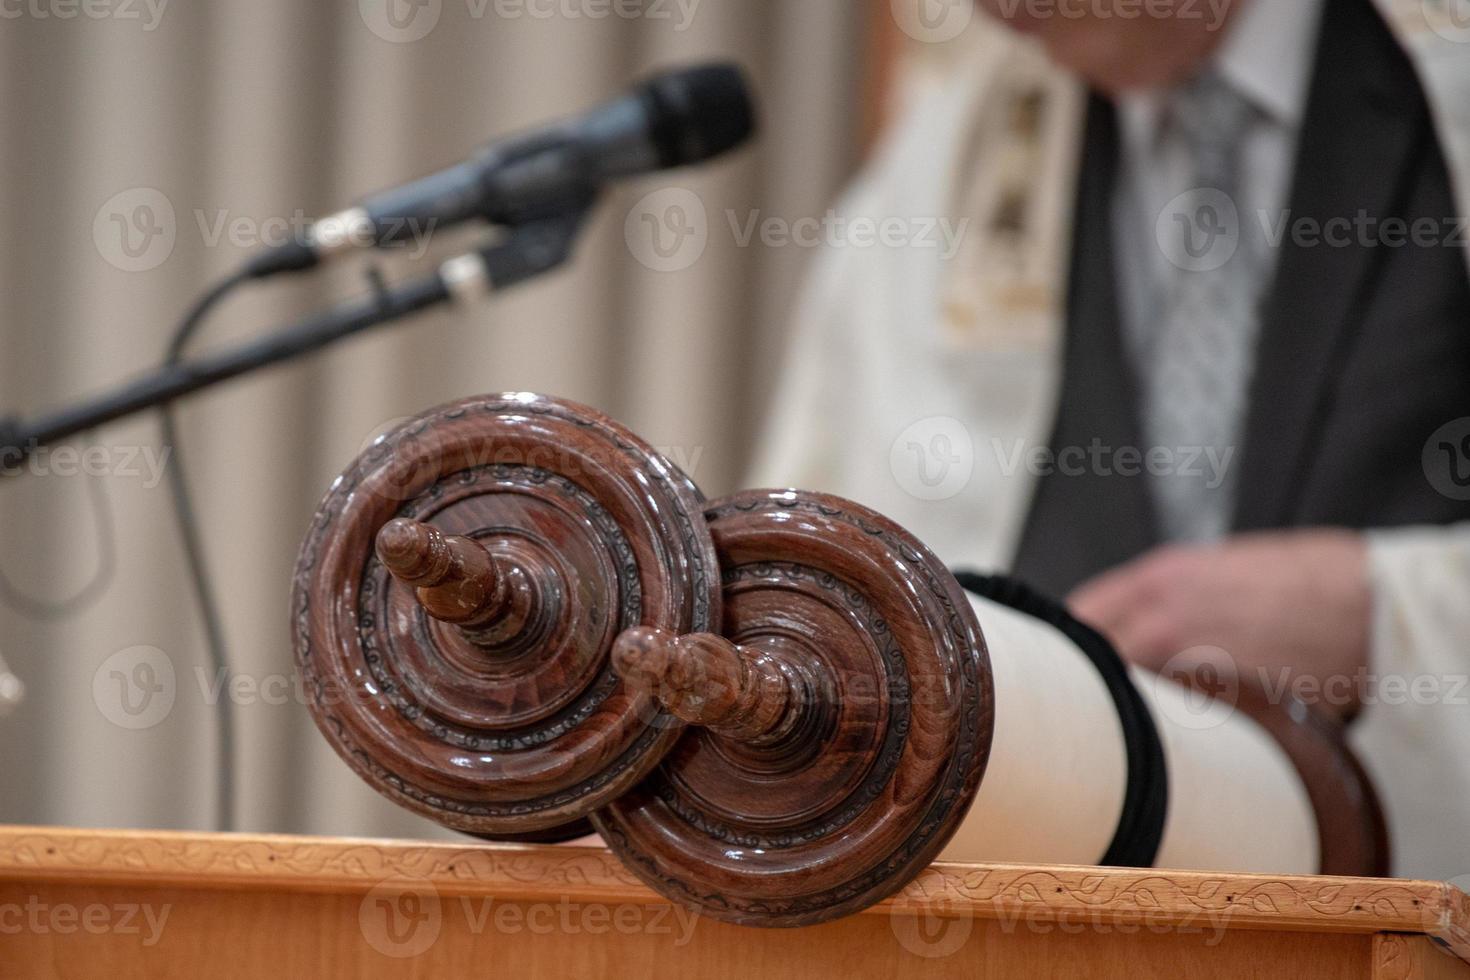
[1198, 359]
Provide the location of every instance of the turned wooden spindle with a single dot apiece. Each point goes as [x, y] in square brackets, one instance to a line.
[706, 680]
[458, 581]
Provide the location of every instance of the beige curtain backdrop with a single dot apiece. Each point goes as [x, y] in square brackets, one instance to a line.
[142, 150]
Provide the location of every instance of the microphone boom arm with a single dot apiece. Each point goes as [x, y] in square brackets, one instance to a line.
[523, 253]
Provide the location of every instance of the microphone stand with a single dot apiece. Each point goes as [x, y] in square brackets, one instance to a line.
[527, 251]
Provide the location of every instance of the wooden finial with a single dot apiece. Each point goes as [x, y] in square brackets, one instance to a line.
[706, 680]
[501, 724]
[457, 580]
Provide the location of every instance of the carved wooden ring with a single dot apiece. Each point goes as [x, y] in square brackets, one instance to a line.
[472, 684]
[848, 711]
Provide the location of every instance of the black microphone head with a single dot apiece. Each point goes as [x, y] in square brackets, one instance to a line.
[698, 113]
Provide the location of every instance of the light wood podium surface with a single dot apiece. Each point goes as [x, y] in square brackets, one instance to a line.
[135, 904]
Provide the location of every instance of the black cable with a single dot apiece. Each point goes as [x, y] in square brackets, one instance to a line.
[204, 595]
[97, 585]
[532, 250]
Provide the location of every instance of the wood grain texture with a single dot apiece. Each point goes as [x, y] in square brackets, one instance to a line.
[264, 935]
[277, 906]
[1401, 957]
[495, 710]
[851, 710]
[982, 891]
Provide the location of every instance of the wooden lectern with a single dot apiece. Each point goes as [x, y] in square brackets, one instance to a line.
[778, 709]
[133, 904]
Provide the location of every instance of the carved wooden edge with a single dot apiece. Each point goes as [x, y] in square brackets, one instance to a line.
[982, 891]
[1209, 900]
[277, 862]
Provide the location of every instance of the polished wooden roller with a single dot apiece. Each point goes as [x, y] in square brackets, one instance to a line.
[852, 703]
[457, 597]
[846, 716]
[777, 708]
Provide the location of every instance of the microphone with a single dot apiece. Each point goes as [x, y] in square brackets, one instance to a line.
[671, 120]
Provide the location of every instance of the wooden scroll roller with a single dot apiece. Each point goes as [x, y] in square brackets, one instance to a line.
[457, 598]
[860, 714]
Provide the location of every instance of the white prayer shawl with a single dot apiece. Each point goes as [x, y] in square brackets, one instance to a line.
[922, 379]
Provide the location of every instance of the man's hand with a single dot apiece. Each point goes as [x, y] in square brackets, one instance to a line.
[1289, 605]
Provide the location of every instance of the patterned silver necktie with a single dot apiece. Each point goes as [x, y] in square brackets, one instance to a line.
[1195, 363]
